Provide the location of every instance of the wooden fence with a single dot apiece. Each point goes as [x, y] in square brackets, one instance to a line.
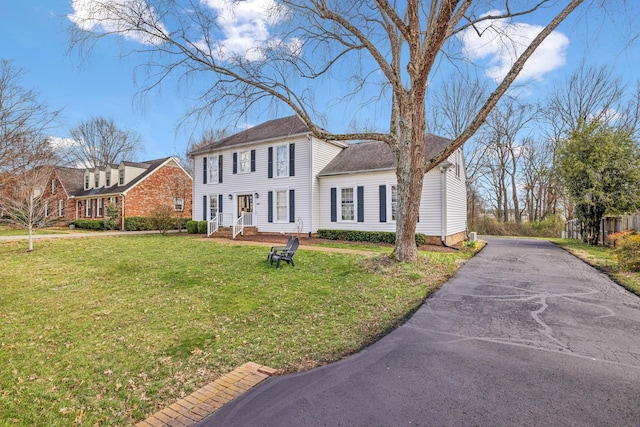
[608, 226]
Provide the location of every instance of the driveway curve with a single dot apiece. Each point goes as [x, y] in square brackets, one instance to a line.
[524, 334]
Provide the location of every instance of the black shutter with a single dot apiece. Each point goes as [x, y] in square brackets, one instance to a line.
[360, 204]
[253, 160]
[270, 163]
[204, 207]
[220, 168]
[204, 170]
[270, 206]
[235, 162]
[334, 208]
[292, 159]
[292, 205]
[219, 205]
[383, 203]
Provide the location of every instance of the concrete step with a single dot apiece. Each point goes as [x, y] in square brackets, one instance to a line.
[227, 232]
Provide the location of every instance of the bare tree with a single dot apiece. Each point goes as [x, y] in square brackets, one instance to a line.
[207, 137]
[23, 123]
[23, 205]
[100, 142]
[385, 44]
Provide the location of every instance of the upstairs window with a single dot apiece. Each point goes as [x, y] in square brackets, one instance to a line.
[214, 169]
[86, 182]
[97, 181]
[108, 179]
[53, 186]
[121, 177]
[245, 161]
[282, 160]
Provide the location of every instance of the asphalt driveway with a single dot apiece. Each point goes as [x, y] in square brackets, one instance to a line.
[524, 334]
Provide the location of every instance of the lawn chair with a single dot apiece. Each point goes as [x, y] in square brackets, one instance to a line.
[286, 255]
[278, 249]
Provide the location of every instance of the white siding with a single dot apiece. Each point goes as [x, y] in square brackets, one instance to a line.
[258, 182]
[322, 153]
[457, 195]
[431, 204]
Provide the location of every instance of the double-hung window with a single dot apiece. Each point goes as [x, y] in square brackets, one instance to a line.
[53, 186]
[213, 207]
[107, 177]
[347, 204]
[394, 201]
[86, 182]
[282, 207]
[245, 161]
[282, 160]
[214, 169]
[60, 208]
[121, 177]
[97, 181]
[178, 204]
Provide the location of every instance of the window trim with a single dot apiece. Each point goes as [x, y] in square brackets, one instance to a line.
[60, 208]
[180, 204]
[285, 161]
[341, 204]
[107, 179]
[241, 162]
[121, 176]
[213, 165]
[87, 180]
[285, 219]
[393, 214]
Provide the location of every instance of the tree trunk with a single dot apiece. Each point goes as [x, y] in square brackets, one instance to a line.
[409, 152]
[30, 238]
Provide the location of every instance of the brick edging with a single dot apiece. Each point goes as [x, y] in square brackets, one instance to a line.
[205, 401]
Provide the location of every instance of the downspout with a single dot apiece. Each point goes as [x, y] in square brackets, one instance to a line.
[444, 168]
[122, 219]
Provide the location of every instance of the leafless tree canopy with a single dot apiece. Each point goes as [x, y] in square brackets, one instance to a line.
[393, 46]
[23, 123]
[100, 142]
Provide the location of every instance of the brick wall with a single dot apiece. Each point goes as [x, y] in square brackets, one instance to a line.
[159, 189]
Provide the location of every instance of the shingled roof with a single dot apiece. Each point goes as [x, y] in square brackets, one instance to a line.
[376, 156]
[71, 179]
[278, 128]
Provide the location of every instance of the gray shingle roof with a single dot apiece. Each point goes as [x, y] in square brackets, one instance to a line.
[376, 155]
[286, 126]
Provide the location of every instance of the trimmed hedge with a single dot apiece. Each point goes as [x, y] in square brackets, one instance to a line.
[89, 224]
[366, 236]
[192, 227]
[203, 226]
[137, 223]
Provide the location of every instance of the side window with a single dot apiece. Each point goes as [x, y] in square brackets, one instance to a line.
[347, 204]
[394, 201]
[282, 160]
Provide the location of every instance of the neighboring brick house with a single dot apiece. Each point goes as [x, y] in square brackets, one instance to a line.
[136, 188]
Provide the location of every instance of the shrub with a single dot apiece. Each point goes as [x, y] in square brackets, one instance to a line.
[162, 219]
[137, 223]
[192, 227]
[88, 224]
[366, 236]
[627, 250]
[551, 226]
[203, 226]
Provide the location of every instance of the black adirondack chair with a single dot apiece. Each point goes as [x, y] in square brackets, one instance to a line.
[278, 249]
[286, 255]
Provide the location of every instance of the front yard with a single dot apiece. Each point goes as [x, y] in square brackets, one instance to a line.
[107, 331]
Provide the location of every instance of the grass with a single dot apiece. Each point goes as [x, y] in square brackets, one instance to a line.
[10, 231]
[602, 258]
[107, 331]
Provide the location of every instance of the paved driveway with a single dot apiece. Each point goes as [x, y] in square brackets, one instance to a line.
[524, 334]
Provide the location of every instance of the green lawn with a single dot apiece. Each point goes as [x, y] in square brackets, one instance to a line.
[602, 258]
[107, 331]
[10, 231]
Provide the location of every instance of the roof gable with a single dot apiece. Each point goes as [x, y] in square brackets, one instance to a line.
[278, 128]
[376, 155]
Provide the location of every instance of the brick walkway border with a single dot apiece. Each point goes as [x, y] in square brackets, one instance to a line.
[201, 403]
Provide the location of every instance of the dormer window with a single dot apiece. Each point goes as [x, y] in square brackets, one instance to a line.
[97, 181]
[86, 182]
[108, 178]
[121, 177]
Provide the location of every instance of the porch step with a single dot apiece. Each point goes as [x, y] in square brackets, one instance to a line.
[227, 232]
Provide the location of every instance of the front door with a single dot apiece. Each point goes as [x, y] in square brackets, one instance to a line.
[245, 204]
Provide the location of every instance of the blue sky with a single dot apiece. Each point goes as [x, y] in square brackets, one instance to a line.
[33, 33]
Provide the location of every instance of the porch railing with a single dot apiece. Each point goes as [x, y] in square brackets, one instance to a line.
[212, 226]
[246, 219]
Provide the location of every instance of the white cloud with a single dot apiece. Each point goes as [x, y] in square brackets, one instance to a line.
[503, 42]
[245, 26]
[57, 142]
[118, 16]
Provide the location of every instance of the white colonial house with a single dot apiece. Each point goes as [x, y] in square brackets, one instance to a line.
[279, 178]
